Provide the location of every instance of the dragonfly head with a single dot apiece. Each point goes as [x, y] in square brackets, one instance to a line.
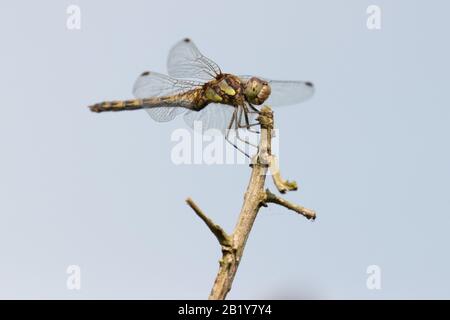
[256, 91]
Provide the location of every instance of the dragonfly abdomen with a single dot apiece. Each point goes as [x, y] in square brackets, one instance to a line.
[186, 100]
[117, 105]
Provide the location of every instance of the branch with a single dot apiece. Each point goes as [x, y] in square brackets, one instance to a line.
[223, 238]
[253, 200]
[281, 184]
[255, 197]
[272, 198]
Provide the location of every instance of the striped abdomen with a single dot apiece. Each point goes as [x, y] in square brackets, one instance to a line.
[186, 100]
[117, 105]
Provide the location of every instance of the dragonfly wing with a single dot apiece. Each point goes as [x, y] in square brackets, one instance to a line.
[153, 84]
[289, 92]
[186, 62]
[213, 116]
[285, 93]
[164, 114]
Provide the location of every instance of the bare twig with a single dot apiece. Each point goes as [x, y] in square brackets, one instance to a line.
[217, 230]
[255, 196]
[281, 184]
[272, 198]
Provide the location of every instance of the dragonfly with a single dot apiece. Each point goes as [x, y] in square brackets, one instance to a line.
[197, 88]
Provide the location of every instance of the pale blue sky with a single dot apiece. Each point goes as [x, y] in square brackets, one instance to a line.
[369, 151]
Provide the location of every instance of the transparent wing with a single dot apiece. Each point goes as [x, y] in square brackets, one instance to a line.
[213, 116]
[289, 92]
[285, 93]
[164, 114]
[186, 62]
[153, 84]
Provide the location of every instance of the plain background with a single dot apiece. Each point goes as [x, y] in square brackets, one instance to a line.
[370, 151]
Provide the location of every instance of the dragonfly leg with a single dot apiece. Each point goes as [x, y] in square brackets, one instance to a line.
[249, 126]
[238, 126]
[254, 109]
[233, 119]
[247, 122]
[246, 126]
[245, 141]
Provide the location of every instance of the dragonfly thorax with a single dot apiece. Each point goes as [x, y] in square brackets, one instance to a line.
[226, 89]
[256, 91]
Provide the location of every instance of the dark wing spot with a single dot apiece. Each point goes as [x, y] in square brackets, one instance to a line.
[146, 73]
[187, 40]
[309, 84]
